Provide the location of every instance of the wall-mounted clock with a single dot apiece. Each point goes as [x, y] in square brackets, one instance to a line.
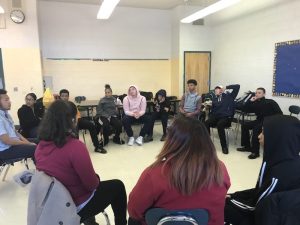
[17, 16]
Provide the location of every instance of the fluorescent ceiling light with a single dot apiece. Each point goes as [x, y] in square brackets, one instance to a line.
[106, 9]
[209, 10]
[1, 10]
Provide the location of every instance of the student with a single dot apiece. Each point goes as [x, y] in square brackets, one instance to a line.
[281, 141]
[262, 107]
[61, 155]
[107, 110]
[85, 124]
[190, 104]
[12, 144]
[28, 117]
[161, 110]
[222, 111]
[187, 174]
[134, 105]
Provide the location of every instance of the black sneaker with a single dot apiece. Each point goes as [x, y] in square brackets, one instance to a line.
[163, 138]
[148, 139]
[100, 149]
[225, 151]
[253, 156]
[244, 149]
[118, 140]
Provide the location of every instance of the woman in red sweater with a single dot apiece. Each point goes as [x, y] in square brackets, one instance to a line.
[186, 175]
[61, 155]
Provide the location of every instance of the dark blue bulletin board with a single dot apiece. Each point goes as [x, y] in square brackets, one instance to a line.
[286, 79]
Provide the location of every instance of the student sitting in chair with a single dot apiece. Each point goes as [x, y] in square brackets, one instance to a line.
[61, 155]
[28, 117]
[12, 144]
[161, 110]
[108, 112]
[262, 107]
[190, 104]
[279, 171]
[85, 124]
[187, 174]
[222, 111]
[134, 105]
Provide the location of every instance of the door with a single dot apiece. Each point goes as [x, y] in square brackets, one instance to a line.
[197, 66]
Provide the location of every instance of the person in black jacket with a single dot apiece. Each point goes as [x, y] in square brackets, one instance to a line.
[28, 117]
[279, 171]
[161, 110]
[222, 111]
[262, 107]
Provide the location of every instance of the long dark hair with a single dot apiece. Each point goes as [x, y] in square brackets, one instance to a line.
[58, 123]
[189, 157]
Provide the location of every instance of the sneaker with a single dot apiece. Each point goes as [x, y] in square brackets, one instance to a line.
[101, 150]
[253, 156]
[163, 138]
[139, 140]
[225, 150]
[118, 140]
[131, 141]
[244, 149]
[148, 139]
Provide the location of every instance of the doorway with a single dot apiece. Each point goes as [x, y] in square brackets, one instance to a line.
[197, 65]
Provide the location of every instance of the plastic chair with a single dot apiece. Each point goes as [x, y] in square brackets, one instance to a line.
[294, 109]
[8, 163]
[159, 216]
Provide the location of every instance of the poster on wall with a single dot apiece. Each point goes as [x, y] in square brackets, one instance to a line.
[286, 78]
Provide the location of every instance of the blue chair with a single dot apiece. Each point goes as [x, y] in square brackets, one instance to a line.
[159, 216]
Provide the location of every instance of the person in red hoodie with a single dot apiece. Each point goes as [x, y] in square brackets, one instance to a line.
[61, 155]
[187, 174]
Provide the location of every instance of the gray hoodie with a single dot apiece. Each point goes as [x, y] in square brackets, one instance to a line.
[107, 107]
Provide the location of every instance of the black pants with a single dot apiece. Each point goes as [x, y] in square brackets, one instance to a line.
[85, 124]
[164, 121]
[129, 120]
[236, 216]
[220, 124]
[256, 127]
[115, 123]
[133, 222]
[111, 192]
[19, 151]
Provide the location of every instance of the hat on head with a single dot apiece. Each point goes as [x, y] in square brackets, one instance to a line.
[162, 93]
[219, 86]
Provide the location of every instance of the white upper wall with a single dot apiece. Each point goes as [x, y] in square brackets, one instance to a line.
[243, 49]
[72, 31]
[23, 35]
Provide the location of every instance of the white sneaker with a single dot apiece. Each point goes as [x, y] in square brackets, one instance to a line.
[139, 140]
[131, 141]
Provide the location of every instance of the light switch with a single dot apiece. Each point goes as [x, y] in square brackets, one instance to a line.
[16, 89]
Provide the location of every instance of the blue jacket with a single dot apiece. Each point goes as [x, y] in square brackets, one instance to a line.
[223, 105]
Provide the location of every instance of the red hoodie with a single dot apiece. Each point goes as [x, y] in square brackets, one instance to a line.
[71, 165]
[153, 191]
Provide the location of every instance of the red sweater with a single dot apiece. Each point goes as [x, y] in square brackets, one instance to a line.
[71, 165]
[153, 191]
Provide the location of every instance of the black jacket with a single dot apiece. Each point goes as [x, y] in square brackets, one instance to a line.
[223, 105]
[28, 119]
[262, 107]
[282, 208]
[281, 162]
[161, 105]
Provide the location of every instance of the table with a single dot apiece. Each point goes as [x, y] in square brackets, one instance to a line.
[89, 106]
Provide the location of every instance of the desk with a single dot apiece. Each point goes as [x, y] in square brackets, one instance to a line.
[88, 106]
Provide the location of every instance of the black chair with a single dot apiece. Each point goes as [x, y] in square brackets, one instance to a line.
[159, 216]
[294, 109]
[8, 163]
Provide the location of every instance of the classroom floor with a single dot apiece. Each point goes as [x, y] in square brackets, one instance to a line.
[125, 163]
